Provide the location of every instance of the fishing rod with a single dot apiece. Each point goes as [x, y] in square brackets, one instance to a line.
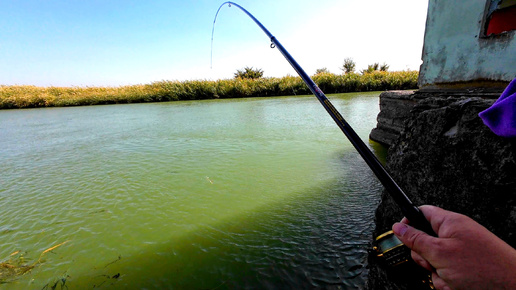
[411, 212]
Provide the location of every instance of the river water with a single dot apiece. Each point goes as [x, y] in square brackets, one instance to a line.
[216, 194]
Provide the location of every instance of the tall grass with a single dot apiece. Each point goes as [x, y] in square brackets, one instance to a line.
[13, 97]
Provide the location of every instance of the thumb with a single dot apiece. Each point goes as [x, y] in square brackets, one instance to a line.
[418, 241]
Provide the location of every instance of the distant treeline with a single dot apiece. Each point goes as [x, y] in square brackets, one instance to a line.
[14, 97]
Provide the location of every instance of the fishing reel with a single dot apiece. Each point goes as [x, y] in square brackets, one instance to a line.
[395, 258]
[391, 250]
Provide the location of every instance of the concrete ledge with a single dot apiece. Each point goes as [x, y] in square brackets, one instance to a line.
[395, 107]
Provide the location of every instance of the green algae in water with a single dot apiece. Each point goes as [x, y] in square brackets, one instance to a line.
[196, 194]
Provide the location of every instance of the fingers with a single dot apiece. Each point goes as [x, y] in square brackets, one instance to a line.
[429, 211]
[421, 261]
[439, 282]
[435, 215]
[415, 239]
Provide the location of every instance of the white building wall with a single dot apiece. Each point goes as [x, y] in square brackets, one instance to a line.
[456, 56]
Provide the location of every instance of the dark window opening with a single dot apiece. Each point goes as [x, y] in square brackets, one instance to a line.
[500, 17]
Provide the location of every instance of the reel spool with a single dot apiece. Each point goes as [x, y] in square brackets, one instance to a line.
[391, 250]
[395, 257]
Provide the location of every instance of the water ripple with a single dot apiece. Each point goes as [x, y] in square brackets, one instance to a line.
[189, 194]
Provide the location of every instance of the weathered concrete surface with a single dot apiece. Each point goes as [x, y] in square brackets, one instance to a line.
[395, 109]
[447, 157]
[455, 53]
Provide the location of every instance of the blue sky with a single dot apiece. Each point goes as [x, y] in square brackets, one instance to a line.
[113, 43]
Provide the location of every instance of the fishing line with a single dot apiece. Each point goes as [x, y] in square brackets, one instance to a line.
[213, 31]
[413, 214]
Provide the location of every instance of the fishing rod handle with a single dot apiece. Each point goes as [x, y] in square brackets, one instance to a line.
[419, 221]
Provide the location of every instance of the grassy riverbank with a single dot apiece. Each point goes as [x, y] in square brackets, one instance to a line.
[15, 97]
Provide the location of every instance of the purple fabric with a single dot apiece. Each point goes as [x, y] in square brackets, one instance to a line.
[501, 116]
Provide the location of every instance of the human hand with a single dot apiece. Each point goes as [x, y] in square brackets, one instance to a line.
[465, 255]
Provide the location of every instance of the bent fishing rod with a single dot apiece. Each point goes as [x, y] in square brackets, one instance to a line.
[411, 212]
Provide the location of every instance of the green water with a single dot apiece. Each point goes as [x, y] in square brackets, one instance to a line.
[248, 193]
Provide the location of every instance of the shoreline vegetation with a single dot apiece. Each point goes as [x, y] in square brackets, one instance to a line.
[19, 97]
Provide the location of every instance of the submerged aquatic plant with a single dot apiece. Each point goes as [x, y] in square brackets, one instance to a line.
[17, 265]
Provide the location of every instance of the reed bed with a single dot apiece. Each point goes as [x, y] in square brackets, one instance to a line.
[16, 97]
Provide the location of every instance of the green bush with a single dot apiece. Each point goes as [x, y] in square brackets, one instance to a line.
[249, 73]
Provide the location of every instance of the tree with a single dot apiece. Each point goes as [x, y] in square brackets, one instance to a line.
[384, 67]
[321, 71]
[371, 68]
[348, 66]
[374, 67]
[249, 73]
